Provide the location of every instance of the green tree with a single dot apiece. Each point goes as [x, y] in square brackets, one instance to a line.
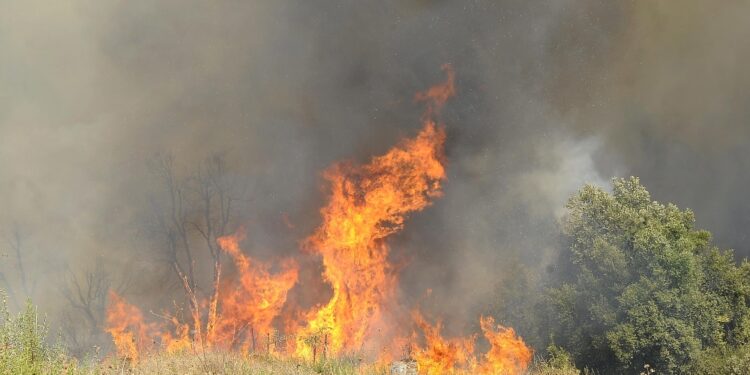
[643, 285]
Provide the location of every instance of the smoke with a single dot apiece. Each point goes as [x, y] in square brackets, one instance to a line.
[665, 92]
[550, 96]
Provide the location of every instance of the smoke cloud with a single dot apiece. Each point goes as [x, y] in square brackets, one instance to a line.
[551, 95]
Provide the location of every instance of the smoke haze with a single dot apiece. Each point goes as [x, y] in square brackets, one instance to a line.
[551, 95]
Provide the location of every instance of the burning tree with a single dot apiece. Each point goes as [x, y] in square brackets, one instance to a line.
[200, 204]
[194, 224]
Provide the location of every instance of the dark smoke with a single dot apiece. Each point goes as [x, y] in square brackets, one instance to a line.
[551, 95]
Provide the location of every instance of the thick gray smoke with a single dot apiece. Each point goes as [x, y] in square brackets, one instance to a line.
[551, 95]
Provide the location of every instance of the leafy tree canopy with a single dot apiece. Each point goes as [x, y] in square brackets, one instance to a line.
[644, 285]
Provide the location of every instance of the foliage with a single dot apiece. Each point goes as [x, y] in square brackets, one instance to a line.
[23, 349]
[725, 361]
[645, 287]
[558, 362]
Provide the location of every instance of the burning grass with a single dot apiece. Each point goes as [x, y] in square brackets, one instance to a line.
[26, 350]
[366, 204]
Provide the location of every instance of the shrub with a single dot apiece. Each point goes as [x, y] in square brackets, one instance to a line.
[23, 347]
[644, 287]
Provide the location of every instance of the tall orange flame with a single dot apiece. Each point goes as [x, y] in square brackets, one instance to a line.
[248, 309]
[367, 204]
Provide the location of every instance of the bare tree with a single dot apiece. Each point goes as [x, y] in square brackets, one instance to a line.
[200, 208]
[213, 191]
[16, 246]
[86, 294]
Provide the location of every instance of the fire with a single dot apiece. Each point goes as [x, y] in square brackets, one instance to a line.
[437, 95]
[248, 309]
[441, 356]
[125, 323]
[508, 354]
[180, 340]
[248, 304]
[367, 204]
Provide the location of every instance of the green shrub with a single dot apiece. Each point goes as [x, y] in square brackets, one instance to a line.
[724, 361]
[644, 286]
[23, 349]
[557, 362]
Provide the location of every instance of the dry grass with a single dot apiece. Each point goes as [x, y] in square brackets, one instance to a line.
[231, 363]
[209, 363]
